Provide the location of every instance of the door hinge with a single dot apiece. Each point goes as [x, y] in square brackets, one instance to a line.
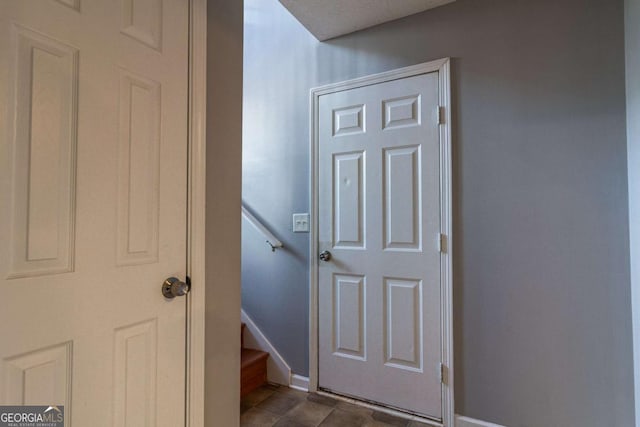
[441, 115]
[442, 243]
[443, 374]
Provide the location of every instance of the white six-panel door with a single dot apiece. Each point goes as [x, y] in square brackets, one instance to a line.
[93, 127]
[379, 216]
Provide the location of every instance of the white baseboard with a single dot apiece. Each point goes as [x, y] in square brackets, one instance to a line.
[299, 382]
[278, 371]
[470, 422]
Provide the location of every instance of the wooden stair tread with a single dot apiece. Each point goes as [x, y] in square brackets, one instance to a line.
[242, 328]
[253, 363]
[253, 372]
[250, 356]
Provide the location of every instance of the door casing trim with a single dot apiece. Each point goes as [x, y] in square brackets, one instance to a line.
[443, 68]
[196, 194]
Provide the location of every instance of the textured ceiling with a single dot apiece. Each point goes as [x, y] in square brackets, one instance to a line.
[326, 19]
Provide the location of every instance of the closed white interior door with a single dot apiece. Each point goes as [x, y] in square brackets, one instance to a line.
[93, 140]
[379, 217]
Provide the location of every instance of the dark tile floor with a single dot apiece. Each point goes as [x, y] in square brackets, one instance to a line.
[275, 406]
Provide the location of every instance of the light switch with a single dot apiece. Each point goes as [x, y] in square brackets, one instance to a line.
[300, 222]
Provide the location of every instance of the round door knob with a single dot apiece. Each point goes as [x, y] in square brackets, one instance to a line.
[325, 256]
[173, 287]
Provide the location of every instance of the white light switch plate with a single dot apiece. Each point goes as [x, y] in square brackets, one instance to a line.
[300, 222]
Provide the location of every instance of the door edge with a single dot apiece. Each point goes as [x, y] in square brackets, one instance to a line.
[196, 193]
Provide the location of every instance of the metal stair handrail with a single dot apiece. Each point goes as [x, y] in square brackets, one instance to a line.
[271, 239]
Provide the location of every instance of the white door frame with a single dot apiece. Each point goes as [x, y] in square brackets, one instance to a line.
[195, 372]
[442, 66]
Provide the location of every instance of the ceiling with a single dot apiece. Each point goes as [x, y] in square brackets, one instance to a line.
[326, 19]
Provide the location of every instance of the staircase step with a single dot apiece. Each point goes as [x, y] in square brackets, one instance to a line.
[253, 370]
[250, 357]
[243, 326]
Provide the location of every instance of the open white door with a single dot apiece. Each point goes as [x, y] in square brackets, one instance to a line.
[93, 144]
[381, 277]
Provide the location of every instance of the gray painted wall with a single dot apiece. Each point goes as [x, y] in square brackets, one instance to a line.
[632, 38]
[542, 288]
[224, 159]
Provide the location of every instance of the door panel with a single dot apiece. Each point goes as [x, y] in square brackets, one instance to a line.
[402, 199]
[93, 113]
[45, 107]
[139, 169]
[403, 323]
[379, 216]
[41, 375]
[349, 190]
[136, 350]
[348, 303]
